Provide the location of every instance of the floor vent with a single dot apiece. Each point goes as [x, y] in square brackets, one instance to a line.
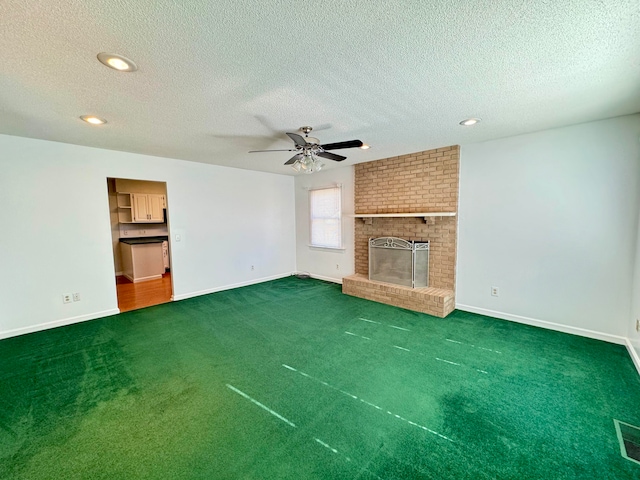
[629, 438]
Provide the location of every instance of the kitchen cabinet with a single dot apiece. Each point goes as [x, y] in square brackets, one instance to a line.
[141, 208]
[147, 208]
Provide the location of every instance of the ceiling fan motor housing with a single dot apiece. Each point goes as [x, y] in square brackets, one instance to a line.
[306, 130]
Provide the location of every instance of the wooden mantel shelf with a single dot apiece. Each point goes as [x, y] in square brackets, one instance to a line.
[427, 214]
[368, 217]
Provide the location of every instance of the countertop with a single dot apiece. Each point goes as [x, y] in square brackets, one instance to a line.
[143, 240]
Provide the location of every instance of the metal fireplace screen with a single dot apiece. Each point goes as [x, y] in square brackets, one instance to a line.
[394, 260]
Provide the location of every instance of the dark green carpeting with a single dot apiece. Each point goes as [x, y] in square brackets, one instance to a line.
[291, 379]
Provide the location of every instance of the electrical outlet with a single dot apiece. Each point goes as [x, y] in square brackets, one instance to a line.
[76, 297]
[67, 298]
[495, 291]
[637, 325]
[337, 266]
[252, 267]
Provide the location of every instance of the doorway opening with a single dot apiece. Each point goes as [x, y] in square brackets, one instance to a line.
[140, 235]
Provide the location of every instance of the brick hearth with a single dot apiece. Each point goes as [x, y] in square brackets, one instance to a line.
[434, 301]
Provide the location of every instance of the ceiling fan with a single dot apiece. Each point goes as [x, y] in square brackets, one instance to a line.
[308, 148]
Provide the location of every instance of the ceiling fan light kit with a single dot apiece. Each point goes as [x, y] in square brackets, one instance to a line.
[308, 149]
[308, 164]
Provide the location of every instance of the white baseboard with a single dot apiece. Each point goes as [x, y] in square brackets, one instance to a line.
[327, 279]
[607, 337]
[184, 296]
[143, 279]
[119, 274]
[634, 355]
[57, 323]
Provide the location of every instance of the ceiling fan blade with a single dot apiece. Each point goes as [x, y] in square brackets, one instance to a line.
[287, 150]
[267, 124]
[330, 156]
[338, 145]
[297, 139]
[251, 141]
[294, 159]
[324, 126]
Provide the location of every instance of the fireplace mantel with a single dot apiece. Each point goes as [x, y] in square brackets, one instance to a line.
[368, 217]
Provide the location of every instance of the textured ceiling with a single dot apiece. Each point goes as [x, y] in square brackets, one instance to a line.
[217, 79]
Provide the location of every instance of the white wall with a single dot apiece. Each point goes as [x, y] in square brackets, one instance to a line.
[551, 219]
[320, 262]
[634, 335]
[56, 228]
[137, 186]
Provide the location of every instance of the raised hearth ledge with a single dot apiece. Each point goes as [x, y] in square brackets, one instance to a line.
[439, 302]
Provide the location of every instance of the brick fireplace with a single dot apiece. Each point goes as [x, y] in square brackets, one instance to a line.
[423, 182]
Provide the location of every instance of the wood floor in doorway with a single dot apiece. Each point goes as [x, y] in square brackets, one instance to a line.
[132, 296]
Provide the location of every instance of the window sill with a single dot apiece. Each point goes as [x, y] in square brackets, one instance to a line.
[333, 249]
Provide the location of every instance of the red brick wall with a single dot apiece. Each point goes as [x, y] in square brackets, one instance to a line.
[419, 182]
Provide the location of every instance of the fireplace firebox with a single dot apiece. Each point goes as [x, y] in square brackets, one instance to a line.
[399, 261]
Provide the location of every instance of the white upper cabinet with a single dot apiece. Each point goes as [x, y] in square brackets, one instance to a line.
[140, 204]
[141, 208]
[156, 205]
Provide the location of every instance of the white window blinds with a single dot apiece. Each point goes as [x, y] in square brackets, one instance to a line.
[326, 217]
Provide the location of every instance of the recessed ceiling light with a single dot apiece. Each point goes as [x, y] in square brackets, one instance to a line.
[469, 121]
[93, 120]
[117, 62]
[365, 146]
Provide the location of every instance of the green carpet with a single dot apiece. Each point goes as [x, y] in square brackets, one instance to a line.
[291, 379]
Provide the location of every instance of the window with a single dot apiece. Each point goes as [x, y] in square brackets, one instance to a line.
[326, 217]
